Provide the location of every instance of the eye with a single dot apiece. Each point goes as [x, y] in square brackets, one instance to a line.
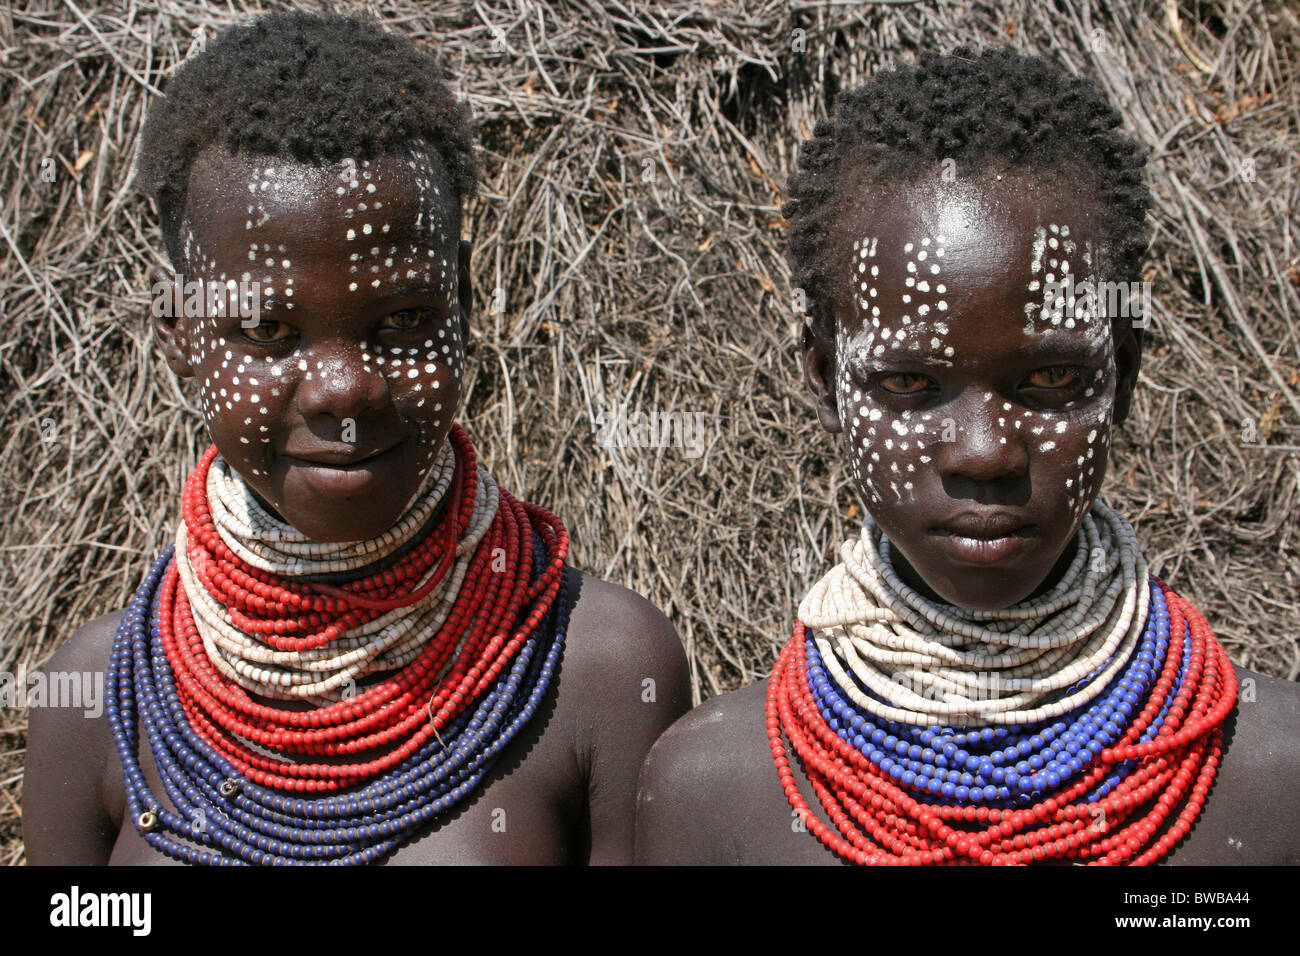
[262, 332]
[1057, 376]
[905, 383]
[404, 320]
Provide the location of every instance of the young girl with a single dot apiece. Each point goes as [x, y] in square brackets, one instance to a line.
[991, 675]
[360, 648]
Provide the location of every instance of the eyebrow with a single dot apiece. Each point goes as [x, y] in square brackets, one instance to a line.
[392, 290]
[406, 286]
[1054, 346]
[895, 357]
[1055, 342]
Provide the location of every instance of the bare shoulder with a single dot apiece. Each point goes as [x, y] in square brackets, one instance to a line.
[90, 646]
[622, 682]
[1265, 726]
[1278, 703]
[709, 793]
[1248, 818]
[718, 743]
[621, 648]
[67, 812]
[714, 739]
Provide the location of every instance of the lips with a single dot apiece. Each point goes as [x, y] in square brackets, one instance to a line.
[338, 458]
[984, 539]
[338, 475]
[996, 524]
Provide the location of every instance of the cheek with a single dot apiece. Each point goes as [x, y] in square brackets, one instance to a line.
[244, 396]
[888, 451]
[423, 379]
[1078, 446]
[424, 385]
[1086, 464]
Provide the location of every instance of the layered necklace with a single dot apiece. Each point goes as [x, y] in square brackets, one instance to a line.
[405, 664]
[1082, 724]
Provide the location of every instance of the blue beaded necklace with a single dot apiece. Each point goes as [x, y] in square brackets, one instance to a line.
[1013, 765]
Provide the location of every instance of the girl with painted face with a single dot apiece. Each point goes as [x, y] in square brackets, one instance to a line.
[360, 647]
[991, 674]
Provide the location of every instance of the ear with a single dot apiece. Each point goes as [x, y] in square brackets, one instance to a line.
[466, 288]
[168, 322]
[819, 374]
[1128, 359]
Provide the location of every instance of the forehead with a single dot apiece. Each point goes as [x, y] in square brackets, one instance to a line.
[965, 270]
[398, 198]
[980, 233]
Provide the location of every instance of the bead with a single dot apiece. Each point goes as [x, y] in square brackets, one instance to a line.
[181, 671]
[1079, 770]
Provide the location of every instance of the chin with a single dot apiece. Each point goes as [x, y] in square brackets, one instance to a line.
[986, 599]
[357, 528]
[979, 590]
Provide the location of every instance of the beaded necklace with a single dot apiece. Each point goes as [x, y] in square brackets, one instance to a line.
[464, 602]
[1070, 726]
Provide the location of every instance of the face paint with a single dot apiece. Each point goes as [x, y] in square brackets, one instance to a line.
[976, 414]
[334, 404]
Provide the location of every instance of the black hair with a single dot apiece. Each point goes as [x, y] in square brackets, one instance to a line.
[307, 87]
[995, 109]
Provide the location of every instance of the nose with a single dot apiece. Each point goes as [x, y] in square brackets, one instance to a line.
[342, 380]
[985, 445]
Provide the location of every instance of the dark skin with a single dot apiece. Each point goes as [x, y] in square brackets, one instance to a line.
[1024, 399]
[563, 791]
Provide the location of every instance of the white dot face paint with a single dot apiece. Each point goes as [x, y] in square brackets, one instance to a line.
[957, 403]
[309, 402]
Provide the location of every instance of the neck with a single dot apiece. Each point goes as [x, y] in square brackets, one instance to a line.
[927, 661]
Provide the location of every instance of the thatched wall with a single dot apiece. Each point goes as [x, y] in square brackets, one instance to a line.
[667, 295]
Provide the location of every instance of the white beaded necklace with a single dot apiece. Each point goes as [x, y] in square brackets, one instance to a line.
[927, 663]
[326, 674]
[268, 543]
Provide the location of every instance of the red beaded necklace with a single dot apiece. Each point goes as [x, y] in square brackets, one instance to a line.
[406, 708]
[875, 821]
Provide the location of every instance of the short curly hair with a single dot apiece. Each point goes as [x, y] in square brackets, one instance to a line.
[994, 109]
[311, 88]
